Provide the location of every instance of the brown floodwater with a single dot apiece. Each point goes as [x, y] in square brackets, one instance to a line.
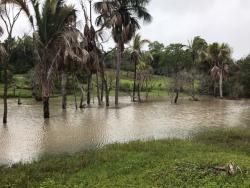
[28, 137]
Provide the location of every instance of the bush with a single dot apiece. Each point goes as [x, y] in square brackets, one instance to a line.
[126, 86]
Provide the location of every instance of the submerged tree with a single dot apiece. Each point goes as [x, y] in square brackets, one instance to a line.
[54, 40]
[9, 16]
[122, 17]
[144, 75]
[219, 55]
[178, 60]
[3, 53]
[136, 53]
[197, 47]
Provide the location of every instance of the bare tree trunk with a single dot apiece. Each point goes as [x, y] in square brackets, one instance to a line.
[193, 90]
[118, 67]
[82, 98]
[147, 90]
[64, 91]
[134, 89]
[46, 92]
[104, 83]
[215, 90]
[102, 90]
[139, 92]
[14, 90]
[192, 83]
[5, 94]
[220, 84]
[107, 94]
[19, 99]
[46, 107]
[75, 96]
[98, 89]
[176, 96]
[89, 89]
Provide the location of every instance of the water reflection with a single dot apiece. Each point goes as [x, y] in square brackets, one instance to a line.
[28, 137]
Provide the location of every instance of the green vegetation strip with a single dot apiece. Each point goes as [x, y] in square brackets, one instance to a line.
[201, 162]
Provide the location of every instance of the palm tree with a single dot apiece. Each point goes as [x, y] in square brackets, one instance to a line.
[55, 40]
[3, 53]
[144, 75]
[219, 55]
[122, 17]
[197, 47]
[136, 53]
[3, 60]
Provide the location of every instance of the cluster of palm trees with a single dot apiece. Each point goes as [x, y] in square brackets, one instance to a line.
[136, 56]
[60, 47]
[122, 17]
[217, 55]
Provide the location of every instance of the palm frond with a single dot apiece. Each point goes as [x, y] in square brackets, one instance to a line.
[3, 54]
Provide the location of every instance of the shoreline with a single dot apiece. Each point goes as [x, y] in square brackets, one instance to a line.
[170, 162]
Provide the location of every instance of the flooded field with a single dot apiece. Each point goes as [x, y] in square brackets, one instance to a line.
[28, 137]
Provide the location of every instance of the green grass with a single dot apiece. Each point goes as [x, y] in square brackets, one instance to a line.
[21, 82]
[160, 85]
[163, 163]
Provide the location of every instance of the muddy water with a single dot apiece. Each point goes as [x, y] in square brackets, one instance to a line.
[28, 137]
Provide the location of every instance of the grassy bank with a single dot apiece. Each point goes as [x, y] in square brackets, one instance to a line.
[159, 86]
[165, 163]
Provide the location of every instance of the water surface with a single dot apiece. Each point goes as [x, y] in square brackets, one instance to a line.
[28, 137]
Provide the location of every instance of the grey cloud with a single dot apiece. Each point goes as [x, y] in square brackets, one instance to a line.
[181, 20]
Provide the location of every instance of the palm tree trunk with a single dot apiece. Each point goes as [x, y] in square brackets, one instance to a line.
[19, 99]
[5, 94]
[134, 89]
[45, 91]
[46, 107]
[89, 89]
[221, 84]
[118, 68]
[193, 90]
[82, 98]
[104, 83]
[98, 89]
[107, 93]
[75, 94]
[139, 92]
[64, 91]
[176, 96]
[102, 91]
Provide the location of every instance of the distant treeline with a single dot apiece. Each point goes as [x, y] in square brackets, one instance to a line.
[166, 61]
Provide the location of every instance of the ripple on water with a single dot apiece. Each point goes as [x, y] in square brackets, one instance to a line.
[27, 136]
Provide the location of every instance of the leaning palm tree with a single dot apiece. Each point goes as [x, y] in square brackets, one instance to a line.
[136, 53]
[54, 40]
[219, 55]
[197, 47]
[122, 17]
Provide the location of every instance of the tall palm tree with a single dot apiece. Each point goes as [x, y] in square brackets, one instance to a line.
[197, 47]
[122, 17]
[55, 40]
[136, 53]
[219, 55]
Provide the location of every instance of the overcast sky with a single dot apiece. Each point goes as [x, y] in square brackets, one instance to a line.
[180, 20]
